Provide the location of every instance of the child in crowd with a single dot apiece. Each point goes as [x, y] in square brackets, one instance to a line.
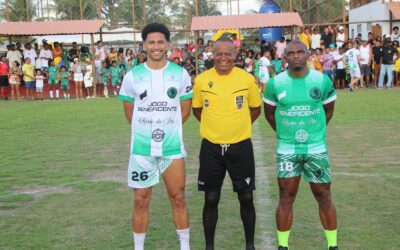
[201, 64]
[64, 78]
[15, 80]
[105, 76]
[88, 78]
[39, 77]
[115, 77]
[53, 79]
[78, 78]
[29, 77]
[276, 65]
[112, 56]
[130, 65]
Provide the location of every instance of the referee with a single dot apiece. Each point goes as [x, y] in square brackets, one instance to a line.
[226, 101]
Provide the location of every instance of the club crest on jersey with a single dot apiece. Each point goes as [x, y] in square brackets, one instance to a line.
[239, 101]
[158, 135]
[172, 92]
[206, 103]
[301, 136]
[315, 93]
[210, 84]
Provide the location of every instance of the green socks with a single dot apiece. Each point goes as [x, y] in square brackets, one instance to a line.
[331, 237]
[283, 238]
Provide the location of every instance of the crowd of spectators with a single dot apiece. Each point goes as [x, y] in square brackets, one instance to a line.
[363, 62]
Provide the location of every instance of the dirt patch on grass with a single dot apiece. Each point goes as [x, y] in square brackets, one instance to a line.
[117, 175]
[35, 191]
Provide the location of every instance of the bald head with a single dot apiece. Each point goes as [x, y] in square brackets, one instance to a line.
[295, 43]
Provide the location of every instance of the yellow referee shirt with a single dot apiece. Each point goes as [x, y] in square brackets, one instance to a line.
[225, 100]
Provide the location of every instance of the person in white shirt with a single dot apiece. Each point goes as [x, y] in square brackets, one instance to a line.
[30, 52]
[315, 38]
[340, 37]
[13, 55]
[365, 62]
[395, 36]
[45, 55]
[340, 75]
[280, 47]
[353, 56]
[265, 69]
[101, 50]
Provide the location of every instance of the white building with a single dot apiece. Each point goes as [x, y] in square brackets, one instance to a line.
[375, 11]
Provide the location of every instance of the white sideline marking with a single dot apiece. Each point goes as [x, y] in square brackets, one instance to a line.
[263, 237]
[365, 174]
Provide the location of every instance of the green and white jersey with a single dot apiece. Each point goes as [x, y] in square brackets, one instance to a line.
[300, 115]
[157, 118]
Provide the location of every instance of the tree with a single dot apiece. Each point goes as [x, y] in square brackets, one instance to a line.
[17, 10]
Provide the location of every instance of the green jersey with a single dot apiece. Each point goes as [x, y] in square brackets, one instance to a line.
[256, 68]
[53, 72]
[115, 72]
[201, 64]
[104, 75]
[300, 116]
[64, 77]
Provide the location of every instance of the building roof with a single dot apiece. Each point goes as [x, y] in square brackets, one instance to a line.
[50, 28]
[247, 21]
[394, 7]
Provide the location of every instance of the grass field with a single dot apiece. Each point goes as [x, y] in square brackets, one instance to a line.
[63, 173]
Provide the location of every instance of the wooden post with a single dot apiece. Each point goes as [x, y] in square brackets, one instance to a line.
[238, 7]
[9, 40]
[133, 24]
[99, 9]
[27, 2]
[48, 10]
[144, 14]
[308, 11]
[196, 53]
[7, 11]
[81, 12]
[101, 34]
[93, 66]
[390, 20]
[290, 6]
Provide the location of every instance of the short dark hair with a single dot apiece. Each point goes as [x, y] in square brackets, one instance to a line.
[395, 28]
[155, 27]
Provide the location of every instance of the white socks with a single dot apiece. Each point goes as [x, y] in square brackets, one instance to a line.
[184, 238]
[138, 239]
[57, 93]
[51, 94]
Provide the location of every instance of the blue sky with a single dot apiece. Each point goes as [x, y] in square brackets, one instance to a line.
[245, 5]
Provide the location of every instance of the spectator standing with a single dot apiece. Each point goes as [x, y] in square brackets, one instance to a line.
[387, 67]
[327, 63]
[29, 78]
[305, 36]
[280, 47]
[101, 51]
[45, 55]
[209, 63]
[13, 55]
[57, 54]
[30, 52]
[256, 46]
[365, 63]
[340, 37]
[353, 57]
[327, 36]
[3, 77]
[265, 69]
[377, 51]
[340, 69]
[315, 38]
[15, 79]
[395, 36]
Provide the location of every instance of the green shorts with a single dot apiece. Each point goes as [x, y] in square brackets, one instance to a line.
[115, 82]
[64, 87]
[316, 167]
[53, 80]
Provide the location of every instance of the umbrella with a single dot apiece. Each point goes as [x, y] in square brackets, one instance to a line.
[226, 33]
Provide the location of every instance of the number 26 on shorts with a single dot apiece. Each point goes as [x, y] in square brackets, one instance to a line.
[142, 176]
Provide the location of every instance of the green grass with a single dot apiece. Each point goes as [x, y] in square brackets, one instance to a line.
[63, 165]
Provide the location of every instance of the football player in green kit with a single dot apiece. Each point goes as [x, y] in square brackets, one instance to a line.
[298, 105]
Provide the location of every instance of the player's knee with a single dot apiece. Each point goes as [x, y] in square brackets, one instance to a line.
[211, 199]
[178, 199]
[323, 196]
[286, 197]
[141, 202]
[245, 198]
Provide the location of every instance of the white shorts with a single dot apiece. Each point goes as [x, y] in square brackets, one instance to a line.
[145, 171]
[355, 71]
[88, 82]
[78, 77]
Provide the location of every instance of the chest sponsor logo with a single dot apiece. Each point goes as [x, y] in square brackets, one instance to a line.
[172, 92]
[315, 93]
[301, 110]
[158, 106]
[158, 135]
[143, 95]
[301, 135]
[239, 101]
[282, 95]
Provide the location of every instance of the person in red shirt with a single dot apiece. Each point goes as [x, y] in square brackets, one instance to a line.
[3, 77]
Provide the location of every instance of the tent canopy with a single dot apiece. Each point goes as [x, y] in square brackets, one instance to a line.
[50, 28]
[247, 21]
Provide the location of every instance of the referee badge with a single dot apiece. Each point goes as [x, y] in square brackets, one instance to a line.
[239, 101]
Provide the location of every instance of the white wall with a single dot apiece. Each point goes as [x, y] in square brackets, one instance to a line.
[370, 12]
